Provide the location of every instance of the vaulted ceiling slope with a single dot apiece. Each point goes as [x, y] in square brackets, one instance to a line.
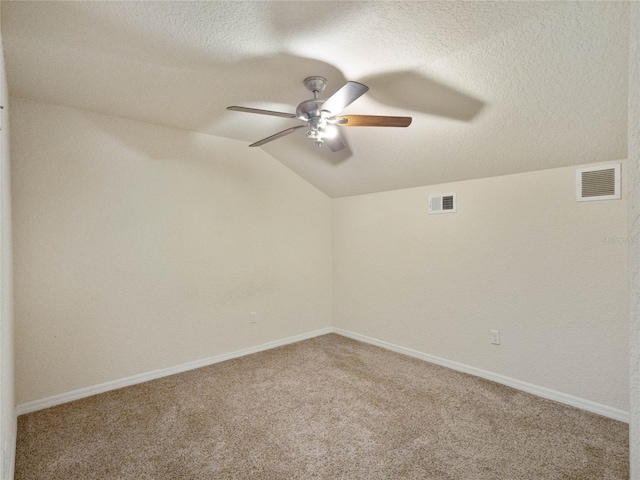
[493, 87]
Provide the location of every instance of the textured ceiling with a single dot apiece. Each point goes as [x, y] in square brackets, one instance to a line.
[494, 87]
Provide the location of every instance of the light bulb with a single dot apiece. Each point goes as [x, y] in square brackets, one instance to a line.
[330, 131]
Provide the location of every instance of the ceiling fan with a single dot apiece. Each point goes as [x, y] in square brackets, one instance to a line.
[322, 117]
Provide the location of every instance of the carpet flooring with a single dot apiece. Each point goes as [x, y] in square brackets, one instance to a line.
[325, 408]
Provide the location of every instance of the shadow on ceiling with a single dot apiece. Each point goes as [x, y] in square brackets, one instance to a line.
[188, 90]
[412, 91]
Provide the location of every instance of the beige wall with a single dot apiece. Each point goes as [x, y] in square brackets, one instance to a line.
[521, 256]
[634, 232]
[7, 402]
[139, 247]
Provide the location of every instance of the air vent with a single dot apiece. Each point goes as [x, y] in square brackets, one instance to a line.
[598, 183]
[443, 203]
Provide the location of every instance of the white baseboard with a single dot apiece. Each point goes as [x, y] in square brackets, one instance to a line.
[59, 399]
[9, 452]
[543, 392]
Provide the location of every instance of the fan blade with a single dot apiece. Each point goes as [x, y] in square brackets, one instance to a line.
[373, 121]
[336, 143]
[347, 94]
[262, 112]
[276, 136]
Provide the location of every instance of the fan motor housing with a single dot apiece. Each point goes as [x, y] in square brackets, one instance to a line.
[310, 109]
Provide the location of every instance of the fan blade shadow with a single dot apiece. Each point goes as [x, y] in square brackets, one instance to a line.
[412, 91]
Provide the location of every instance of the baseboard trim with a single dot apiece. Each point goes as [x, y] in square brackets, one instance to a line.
[59, 399]
[9, 455]
[543, 392]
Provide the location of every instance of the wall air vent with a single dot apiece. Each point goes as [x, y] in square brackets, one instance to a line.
[598, 183]
[443, 203]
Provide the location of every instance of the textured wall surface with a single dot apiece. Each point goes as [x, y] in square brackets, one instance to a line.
[634, 233]
[520, 255]
[140, 247]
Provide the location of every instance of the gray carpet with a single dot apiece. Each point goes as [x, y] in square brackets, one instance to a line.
[329, 408]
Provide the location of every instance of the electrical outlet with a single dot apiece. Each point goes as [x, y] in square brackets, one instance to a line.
[495, 337]
[253, 318]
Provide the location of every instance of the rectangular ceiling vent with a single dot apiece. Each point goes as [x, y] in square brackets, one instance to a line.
[443, 203]
[598, 183]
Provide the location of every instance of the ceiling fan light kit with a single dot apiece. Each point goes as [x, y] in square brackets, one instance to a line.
[322, 118]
